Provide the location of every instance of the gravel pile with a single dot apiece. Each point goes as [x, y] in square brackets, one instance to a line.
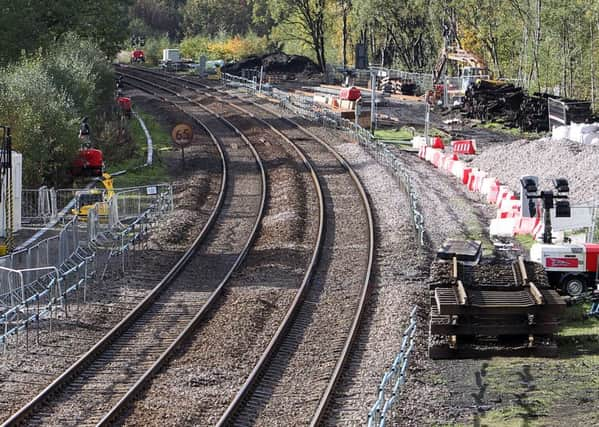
[546, 159]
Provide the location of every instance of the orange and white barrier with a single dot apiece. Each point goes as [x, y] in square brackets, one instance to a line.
[493, 193]
[465, 146]
[509, 220]
[487, 184]
[527, 225]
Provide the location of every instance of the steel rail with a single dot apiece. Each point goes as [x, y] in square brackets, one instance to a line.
[318, 417]
[193, 324]
[304, 287]
[147, 302]
[366, 287]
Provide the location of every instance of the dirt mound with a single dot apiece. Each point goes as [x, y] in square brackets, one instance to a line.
[275, 63]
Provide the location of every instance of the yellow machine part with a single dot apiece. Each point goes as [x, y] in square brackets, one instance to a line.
[82, 210]
[215, 76]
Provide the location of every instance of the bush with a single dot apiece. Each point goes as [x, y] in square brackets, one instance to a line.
[42, 118]
[153, 48]
[43, 99]
[227, 48]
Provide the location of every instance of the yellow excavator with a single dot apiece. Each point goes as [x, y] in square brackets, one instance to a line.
[457, 62]
[87, 199]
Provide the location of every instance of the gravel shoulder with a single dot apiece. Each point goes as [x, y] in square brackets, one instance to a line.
[499, 391]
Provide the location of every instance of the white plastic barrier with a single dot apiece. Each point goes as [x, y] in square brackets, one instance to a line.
[503, 227]
[418, 141]
[457, 169]
[486, 185]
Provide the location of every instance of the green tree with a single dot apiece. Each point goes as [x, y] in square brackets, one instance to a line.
[213, 18]
[30, 24]
[398, 33]
[303, 20]
[157, 17]
[43, 98]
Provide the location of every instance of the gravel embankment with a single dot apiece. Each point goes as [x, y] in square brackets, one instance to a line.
[546, 159]
[398, 288]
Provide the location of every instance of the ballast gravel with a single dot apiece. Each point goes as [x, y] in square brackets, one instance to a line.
[546, 159]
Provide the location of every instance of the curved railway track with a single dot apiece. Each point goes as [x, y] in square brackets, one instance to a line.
[264, 141]
[120, 364]
[294, 379]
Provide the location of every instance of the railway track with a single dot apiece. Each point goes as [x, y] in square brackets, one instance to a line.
[120, 364]
[290, 256]
[294, 379]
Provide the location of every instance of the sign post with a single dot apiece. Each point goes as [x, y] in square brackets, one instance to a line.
[182, 135]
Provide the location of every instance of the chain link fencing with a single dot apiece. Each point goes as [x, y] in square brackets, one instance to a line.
[389, 389]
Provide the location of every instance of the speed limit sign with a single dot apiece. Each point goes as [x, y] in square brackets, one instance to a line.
[182, 135]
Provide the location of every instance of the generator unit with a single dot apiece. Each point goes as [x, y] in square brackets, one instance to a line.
[138, 56]
[570, 267]
[89, 162]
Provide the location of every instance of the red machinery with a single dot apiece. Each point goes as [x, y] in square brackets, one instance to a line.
[89, 162]
[350, 93]
[138, 56]
[125, 104]
[570, 267]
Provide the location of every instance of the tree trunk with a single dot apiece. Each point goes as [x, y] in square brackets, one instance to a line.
[592, 34]
[344, 38]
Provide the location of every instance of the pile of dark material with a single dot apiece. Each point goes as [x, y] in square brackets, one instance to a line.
[534, 114]
[505, 103]
[274, 63]
[398, 86]
[486, 100]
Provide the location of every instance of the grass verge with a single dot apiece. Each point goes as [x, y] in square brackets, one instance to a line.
[499, 127]
[136, 174]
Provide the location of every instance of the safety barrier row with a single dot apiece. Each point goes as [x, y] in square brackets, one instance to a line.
[393, 380]
[38, 206]
[305, 107]
[30, 294]
[509, 220]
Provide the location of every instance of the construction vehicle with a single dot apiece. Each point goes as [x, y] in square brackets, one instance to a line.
[87, 199]
[457, 63]
[138, 56]
[89, 162]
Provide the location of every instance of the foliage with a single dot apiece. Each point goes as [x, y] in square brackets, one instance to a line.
[27, 25]
[138, 144]
[156, 17]
[230, 48]
[209, 17]
[42, 99]
[304, 21]
[153, 48]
